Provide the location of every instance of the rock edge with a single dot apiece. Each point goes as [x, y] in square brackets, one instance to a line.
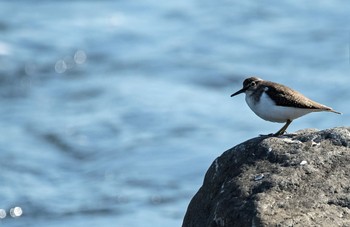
[292, 180]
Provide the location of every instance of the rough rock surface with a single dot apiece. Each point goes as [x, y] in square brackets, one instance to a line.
[291, 180]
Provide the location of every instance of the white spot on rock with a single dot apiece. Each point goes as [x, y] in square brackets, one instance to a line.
[303, 162]
[289, 140]
[259, 177]
[314, 144]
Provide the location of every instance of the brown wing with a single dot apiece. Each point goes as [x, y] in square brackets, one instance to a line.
[285, 96]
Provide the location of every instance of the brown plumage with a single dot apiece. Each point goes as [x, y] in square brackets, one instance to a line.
[278, 103]
[285, 96]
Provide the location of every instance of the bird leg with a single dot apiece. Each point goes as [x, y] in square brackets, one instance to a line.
[283, 129]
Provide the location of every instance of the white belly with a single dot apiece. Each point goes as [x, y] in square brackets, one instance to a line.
[267, 110]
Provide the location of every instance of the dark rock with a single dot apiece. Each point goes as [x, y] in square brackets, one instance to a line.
[292, 180]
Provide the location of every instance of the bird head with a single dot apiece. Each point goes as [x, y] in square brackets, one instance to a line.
[249, 85]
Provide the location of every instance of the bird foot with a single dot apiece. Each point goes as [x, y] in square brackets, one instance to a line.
[278, 134]
[267, 135]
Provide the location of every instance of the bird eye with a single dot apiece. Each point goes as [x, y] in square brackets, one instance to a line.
[252, 84]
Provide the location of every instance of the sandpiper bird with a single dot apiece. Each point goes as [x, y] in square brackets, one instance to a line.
[278, 103]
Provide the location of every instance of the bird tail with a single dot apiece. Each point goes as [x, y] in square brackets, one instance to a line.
[331, 110]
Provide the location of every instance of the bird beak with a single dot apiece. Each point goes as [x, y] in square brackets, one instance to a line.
[239, 92]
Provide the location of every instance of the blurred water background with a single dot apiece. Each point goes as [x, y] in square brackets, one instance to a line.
[112, 111]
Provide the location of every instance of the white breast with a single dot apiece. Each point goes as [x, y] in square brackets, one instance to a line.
[267, 109]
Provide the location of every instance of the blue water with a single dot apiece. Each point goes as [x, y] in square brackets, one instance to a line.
[112, 111]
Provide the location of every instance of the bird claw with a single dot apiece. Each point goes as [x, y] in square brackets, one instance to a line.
[267, 135]
[277, 134]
